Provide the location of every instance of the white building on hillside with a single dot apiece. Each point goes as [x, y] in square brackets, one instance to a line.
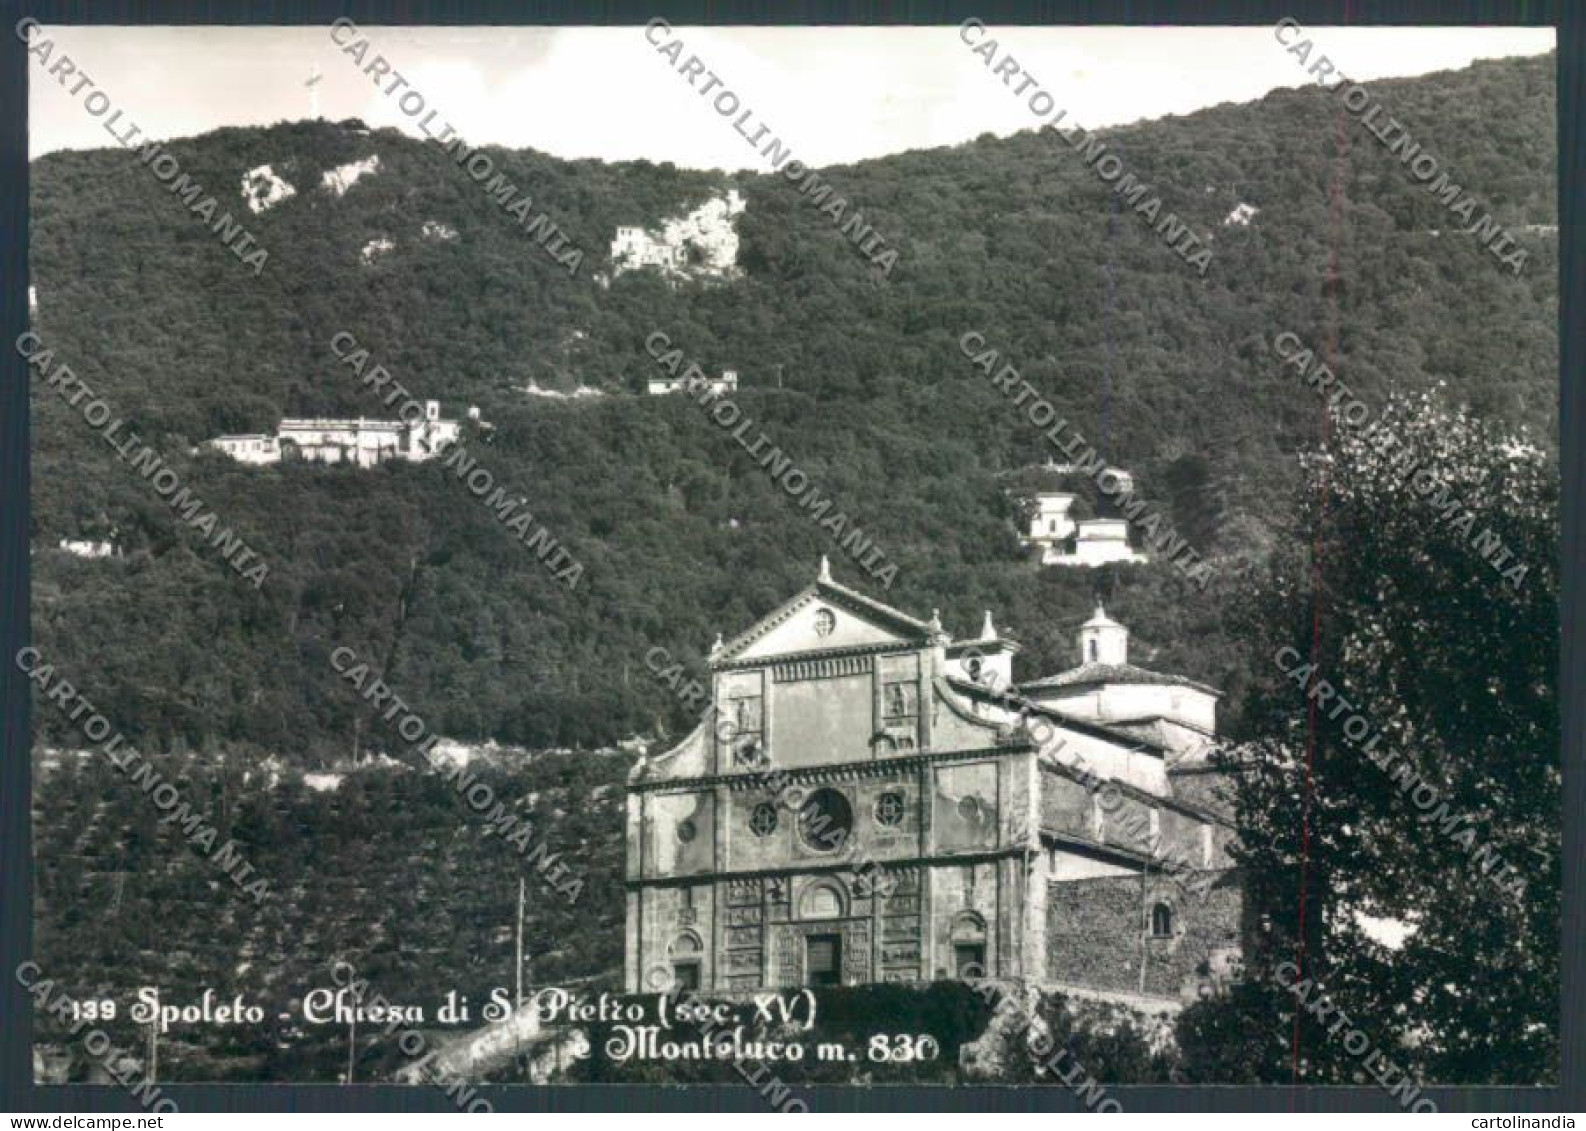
[1063, 540]
[1100, 541]
[726, 383]
[634, 248]
[702, 243]
[248, 447]
[88, 548]
[1050, 525]
[364, 443]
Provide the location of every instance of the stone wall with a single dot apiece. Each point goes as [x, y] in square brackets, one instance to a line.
[817, 722]
[1099, 932]
[666, 925]
[1207, 789]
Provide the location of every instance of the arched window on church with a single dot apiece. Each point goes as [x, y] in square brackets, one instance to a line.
[822, 900]
[687, 953]
[1161, 921]
[969, 946]
[1093, 651]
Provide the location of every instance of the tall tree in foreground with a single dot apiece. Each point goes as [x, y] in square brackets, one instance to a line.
[1400, 793]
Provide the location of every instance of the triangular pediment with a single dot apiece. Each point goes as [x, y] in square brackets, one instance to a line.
[824, 618]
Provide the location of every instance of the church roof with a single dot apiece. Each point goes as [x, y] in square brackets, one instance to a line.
[840, 595]
[885, 612]
[1089, 675]
[1096, 727]
[1199, 758]
[1100, 619]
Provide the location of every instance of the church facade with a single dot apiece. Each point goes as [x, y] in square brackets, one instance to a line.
[869, 800]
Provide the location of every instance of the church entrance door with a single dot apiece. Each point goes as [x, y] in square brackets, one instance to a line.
[823, 960]
[969, 960]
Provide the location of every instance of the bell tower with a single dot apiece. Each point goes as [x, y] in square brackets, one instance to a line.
[1103, 640]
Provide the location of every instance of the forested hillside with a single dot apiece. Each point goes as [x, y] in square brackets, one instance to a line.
[859, 378]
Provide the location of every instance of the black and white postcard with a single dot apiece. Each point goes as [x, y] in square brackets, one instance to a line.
[789, 560]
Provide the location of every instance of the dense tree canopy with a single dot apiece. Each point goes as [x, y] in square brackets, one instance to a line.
[1406, 764]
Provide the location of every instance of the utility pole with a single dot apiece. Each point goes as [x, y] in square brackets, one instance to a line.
[352, 1042]
[518, 965]
[314, 76]
[517, 969]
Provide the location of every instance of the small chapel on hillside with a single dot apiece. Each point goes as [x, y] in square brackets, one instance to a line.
[870, 800]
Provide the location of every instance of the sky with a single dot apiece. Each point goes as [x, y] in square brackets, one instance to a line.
[833, 95]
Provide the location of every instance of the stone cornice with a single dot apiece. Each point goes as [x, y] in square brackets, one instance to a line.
[1139, 720]
[820, 654]
[1200, 767]
[1222, 873]
[838, 771]
[1096, 848]
[804, 868]
[986, 647]
[1133, 791]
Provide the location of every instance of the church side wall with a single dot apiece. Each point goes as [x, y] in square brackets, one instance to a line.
[1206, 790]
[1098, 933]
